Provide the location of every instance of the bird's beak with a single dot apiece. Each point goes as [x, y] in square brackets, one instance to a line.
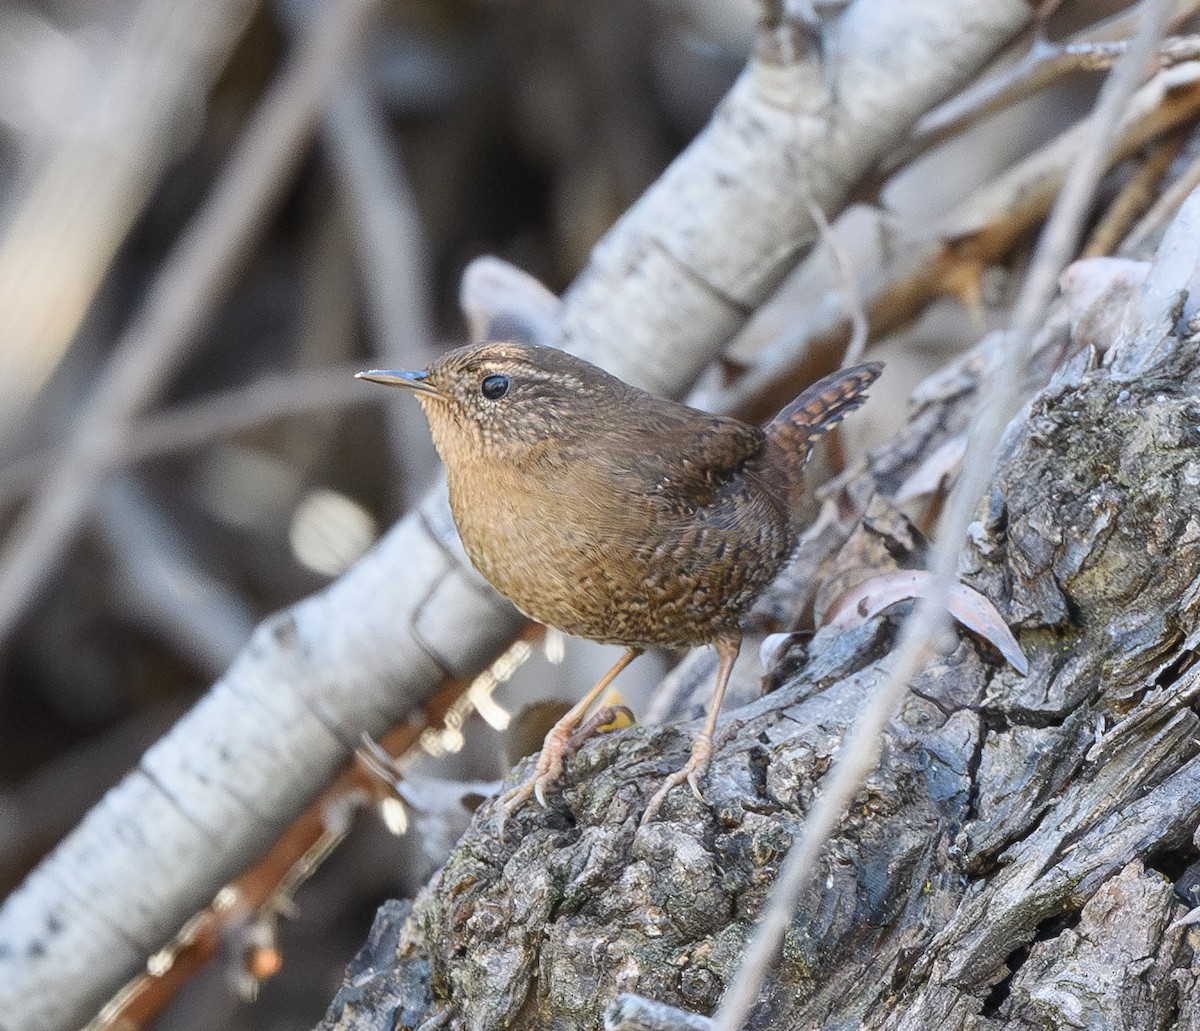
[418, 381]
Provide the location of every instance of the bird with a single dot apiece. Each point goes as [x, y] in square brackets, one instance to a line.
[616, 515]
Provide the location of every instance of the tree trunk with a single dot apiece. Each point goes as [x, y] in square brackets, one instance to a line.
[1019, 855]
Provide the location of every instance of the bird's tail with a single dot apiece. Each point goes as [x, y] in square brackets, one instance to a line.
[821, 407]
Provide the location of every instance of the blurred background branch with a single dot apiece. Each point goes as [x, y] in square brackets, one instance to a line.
[102, 111]
[196, 276]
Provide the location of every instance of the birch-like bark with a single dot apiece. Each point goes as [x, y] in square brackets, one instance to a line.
[663, 292]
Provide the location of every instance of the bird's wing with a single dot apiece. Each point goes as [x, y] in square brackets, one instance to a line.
[685, 456]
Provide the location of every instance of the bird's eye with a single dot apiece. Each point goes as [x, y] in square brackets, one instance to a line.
[494, 387]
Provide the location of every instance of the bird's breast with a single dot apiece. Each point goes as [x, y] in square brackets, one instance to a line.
[603, 561]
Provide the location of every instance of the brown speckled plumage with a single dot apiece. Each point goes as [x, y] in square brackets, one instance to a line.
[610, 513]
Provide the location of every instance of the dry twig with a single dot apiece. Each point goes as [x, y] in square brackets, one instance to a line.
[387, 236]
[162, 585]
[193, 424]
[1135, 198]
[1163, 209]
[859, 327]
[1096, 48]
[75, 204]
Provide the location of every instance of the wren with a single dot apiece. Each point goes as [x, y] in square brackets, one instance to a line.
[615, 515]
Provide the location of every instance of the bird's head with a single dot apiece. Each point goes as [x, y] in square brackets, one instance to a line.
[505, 401]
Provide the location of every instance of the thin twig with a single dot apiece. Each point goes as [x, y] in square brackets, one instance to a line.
[387, 229]
[979, 231]
[162, 585]
[192, 424]
[1095, 48]
[225, 414]
[298, 852]
[859, 327]
[73, 205]
[196, 275]
[390, 244]
[861, 746]
[146, 995]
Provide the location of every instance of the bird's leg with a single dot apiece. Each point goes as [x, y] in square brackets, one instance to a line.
[727, 651]
[557, 745]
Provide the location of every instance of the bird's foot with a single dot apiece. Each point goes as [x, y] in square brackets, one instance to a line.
[692, 771]
[555, 749]
[562, 741]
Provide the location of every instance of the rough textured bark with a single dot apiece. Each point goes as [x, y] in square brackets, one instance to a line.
[1020, 854]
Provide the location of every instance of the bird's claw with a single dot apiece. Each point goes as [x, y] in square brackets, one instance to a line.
[548, 770]
[695, 767]
[512, 800]
[657, 801]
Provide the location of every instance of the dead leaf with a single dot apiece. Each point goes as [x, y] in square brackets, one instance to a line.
[966, 605]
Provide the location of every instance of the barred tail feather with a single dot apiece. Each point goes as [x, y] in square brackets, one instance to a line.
[821, 407]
